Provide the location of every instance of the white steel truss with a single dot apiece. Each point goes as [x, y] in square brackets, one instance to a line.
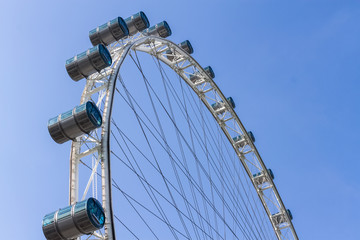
[100, 89]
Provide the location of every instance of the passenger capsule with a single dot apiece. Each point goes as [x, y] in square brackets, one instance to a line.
[137, 23]
[271, 174]
[185, 45]
[289, 214]
[76, 220]
[109, 32]
[76, 122]
[240, 140]
[84, 64]
[251, 136]
[260, 173]
[218, 105]
[280, 218]
[196, 76]
[159, 30]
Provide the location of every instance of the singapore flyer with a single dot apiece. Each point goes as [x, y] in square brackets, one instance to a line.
[218, 200]
[182, 121]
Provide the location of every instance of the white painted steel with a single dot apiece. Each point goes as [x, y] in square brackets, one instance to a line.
[100, 88]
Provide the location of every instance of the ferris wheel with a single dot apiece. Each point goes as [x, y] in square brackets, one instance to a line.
[157, 149]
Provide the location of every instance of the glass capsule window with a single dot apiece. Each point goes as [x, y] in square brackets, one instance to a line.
[95, 210]
[63, 213]
[94, 114]
[80, 108]
[80, 206]
[53, 121]
[105, 55]
[93, 49]
[81, 55]
[123, 26]
[103, 26]
[48, 219]
[144, 18]
[66, 115]
[70, 60]
[92, 31]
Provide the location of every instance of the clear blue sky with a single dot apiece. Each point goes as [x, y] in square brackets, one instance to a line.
[291, 67]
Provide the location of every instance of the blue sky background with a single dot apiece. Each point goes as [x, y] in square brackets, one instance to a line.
[291, 67]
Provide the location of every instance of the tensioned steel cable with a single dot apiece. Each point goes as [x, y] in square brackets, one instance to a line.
[160, 67]
[169, 82]
[178, 165]
[193, 182]
[169, 115]
[193, 148]
[144, 155]
[127, 196]
[181, 147]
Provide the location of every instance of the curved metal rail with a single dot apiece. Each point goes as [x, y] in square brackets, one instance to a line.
[103, 85]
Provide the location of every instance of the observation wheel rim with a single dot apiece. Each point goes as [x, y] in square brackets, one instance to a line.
[135, 45]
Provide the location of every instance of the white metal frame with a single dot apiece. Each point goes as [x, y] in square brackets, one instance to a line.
[102, 86]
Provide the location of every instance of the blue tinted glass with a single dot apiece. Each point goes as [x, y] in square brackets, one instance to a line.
[251, 135]
[102, 219]
[114, 21]
[185, 44]
[94, 114]
[70, 60]
[167, 27]
[80, 108]
[237, 138]
[80, 206]
[48, 219]
[66, 115]
[105, 55]
[231, 102]
[96, 212]
[92, 31]
[123, 26]
[93, 49]
[103, 26]
[145, 19]
[128, 19]
[52, 121]
[81, 55]
[210, 71]
[64, 212]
